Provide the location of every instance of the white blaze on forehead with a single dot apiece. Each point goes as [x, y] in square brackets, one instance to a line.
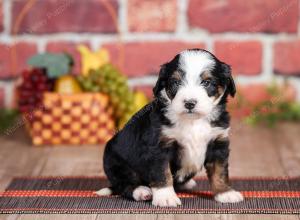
[193, 63]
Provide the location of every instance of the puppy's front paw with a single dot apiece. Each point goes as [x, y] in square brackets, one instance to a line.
[230, 196]
[165, 196]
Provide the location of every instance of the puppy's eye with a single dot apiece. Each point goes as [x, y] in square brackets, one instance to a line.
[206, 83]
[175, 82]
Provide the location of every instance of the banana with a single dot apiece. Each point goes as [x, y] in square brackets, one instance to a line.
[92, 60]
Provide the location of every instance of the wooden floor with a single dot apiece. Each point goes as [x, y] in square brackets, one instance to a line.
[255, 151]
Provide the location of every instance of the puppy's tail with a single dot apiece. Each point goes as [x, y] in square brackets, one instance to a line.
[104, 192]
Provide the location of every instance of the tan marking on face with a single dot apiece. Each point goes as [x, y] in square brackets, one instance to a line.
[220, 92]
[176, 75]
[206, 75]
[218, 177]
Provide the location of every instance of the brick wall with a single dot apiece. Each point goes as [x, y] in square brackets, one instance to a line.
[260, 39]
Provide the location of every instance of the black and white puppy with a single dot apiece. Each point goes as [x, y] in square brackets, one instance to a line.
[184, 128]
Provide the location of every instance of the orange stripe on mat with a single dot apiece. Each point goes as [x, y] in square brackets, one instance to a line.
[80, 193]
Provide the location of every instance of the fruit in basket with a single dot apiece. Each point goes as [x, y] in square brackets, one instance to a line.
[67, 84]
[140, 100]
[55, 64]
[92, 60]
[109, 80]
[30, 92]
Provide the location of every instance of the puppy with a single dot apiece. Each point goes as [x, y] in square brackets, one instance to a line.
[184, 128]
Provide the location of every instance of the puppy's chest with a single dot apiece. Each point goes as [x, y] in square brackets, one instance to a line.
[193, 138]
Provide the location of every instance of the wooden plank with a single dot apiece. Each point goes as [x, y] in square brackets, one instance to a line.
[257, 216]
[19, 158]
[288, 147]
[57, 217]
[8, 217]
[127, 216]
[68, 161]
[252, 152]
[189, 216]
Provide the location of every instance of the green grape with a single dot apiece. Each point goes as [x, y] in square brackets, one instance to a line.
[109, 80]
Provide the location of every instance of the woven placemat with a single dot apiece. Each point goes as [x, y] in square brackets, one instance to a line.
[75, 195]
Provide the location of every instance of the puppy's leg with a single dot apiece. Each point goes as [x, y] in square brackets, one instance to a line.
[123, 179]
[163, 190]
[217, 171]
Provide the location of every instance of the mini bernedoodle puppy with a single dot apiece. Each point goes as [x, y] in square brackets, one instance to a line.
[168, 141]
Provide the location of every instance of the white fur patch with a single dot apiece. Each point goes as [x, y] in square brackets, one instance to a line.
[193, 135]
[104, 192]
[195, 62]
[231, 196]
[165, 196]
[142, 193]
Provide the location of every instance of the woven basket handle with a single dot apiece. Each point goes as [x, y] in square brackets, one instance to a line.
[30, 3]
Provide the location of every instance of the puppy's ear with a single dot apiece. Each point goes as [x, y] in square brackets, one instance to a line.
[230, 82]
[161, 82]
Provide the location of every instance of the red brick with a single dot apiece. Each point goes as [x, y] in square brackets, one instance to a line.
[1, 97]
[245, 57]
[287, 58]
[10, 67]
[70, 48]
[154, 15]
[244, 102]
[1, 16]
[145, 58]
[269, 16]
[50, 16]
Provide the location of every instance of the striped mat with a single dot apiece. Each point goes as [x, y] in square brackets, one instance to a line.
[75, 195]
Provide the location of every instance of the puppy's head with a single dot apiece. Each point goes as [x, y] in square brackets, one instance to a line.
[194, 83]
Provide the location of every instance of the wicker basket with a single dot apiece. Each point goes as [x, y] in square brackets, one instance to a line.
[77, 119]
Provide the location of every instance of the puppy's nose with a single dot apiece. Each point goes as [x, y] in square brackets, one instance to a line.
[190, 104]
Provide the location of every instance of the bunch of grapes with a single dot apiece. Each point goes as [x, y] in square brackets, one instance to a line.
[30, 92]
[109, 80]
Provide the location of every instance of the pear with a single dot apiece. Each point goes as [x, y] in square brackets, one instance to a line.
[67, 84]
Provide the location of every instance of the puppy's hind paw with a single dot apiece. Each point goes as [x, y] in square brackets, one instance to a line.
[142, 193]
[189, 185]
[230, 196]
[104, 192]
